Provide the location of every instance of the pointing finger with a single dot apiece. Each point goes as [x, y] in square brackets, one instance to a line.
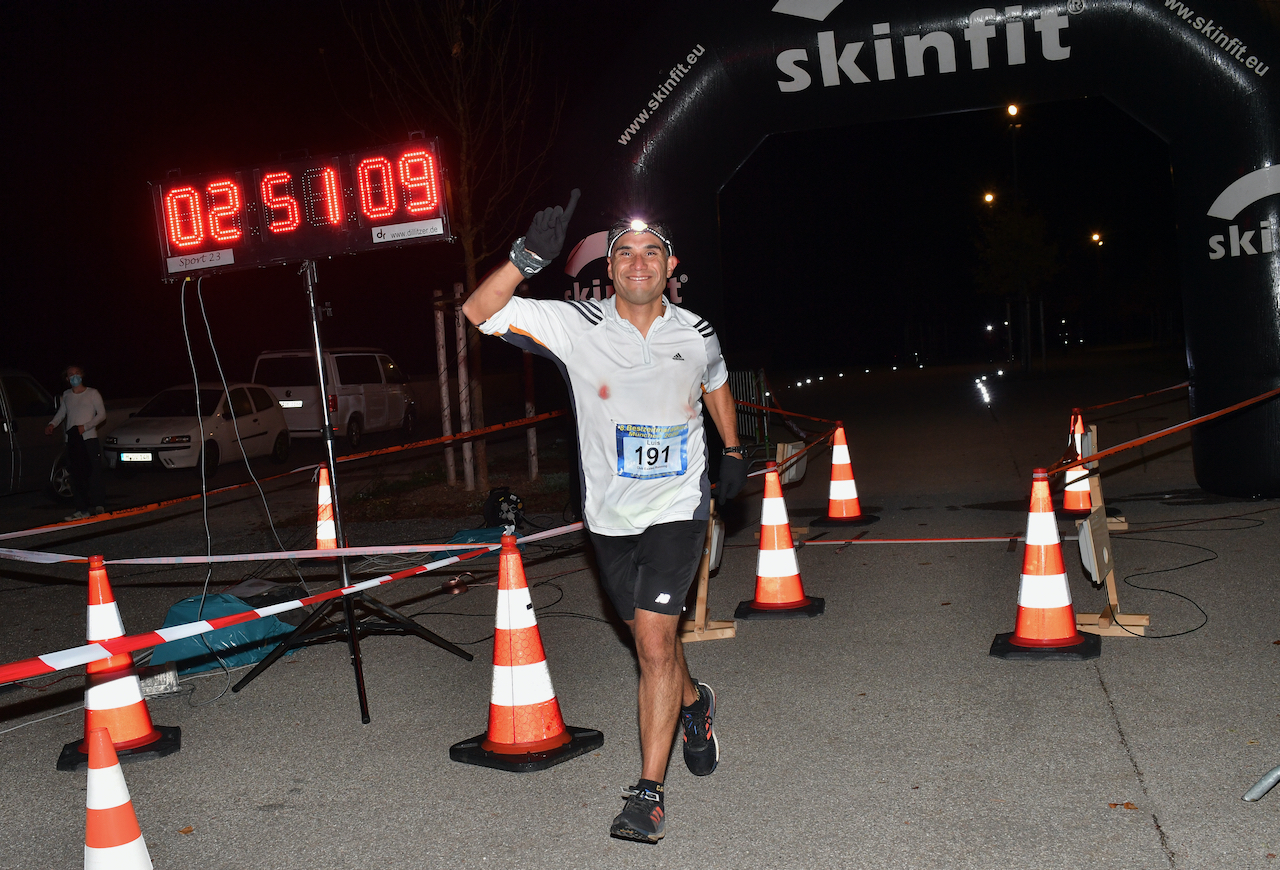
[573, 203]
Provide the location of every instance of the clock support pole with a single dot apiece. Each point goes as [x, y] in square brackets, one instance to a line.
[378, 618]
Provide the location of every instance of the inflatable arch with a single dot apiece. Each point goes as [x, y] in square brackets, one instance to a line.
[680, 94]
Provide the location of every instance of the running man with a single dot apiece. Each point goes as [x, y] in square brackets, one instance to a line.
[640, 370]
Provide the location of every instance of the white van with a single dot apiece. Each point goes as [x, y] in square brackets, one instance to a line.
[368, 392]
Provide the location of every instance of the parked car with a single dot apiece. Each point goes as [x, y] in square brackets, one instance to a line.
[165, 433]
[368, 392]
[29, 459]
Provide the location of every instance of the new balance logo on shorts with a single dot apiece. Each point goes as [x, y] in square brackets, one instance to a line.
[663, 598]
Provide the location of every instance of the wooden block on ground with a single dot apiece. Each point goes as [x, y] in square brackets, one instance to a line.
[716, 629]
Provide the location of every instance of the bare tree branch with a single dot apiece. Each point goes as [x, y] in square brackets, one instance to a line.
[468, 70]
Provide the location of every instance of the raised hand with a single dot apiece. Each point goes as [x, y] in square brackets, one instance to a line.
[546, 235]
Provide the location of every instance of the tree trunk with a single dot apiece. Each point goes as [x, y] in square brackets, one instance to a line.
[473, 336]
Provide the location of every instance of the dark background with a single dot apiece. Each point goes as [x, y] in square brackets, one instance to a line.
[869, 235]
[856, 243]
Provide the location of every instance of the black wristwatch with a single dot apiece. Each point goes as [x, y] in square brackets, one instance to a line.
[726, 451]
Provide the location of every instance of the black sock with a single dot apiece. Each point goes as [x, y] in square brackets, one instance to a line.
[697, 702]
[651, 785]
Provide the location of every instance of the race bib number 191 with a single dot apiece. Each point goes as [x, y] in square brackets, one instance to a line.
[647, 452]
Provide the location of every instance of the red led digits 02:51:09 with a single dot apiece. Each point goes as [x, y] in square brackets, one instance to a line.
[302, 209]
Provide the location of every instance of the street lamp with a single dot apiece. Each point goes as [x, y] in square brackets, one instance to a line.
[989, 198]
[1013, 110]
[1096, 237]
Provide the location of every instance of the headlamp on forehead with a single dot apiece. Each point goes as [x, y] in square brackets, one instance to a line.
[637, 226]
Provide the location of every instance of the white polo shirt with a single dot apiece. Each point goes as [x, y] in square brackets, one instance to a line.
[637, 400]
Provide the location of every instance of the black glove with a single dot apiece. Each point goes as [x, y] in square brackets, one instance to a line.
[733, 476]
[545, 238]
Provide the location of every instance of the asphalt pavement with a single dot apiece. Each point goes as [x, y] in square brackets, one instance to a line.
[878, 735]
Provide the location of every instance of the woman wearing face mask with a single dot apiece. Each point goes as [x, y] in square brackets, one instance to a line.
[81, 412]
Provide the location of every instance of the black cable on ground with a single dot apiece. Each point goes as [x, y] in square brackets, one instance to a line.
[539, 582]
[1183, 526]
[1127, 581]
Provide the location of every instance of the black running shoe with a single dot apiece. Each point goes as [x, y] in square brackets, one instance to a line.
[701, 750]
[641, 819]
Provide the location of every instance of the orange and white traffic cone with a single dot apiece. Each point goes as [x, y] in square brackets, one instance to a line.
[112, 692]
[1046, 627]
[779, 592]
[526, 731]
[326, 533]
[843, 508]
[112, 838]
[1075, 498]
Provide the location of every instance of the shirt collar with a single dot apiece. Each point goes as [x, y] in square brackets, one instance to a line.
[611, 308]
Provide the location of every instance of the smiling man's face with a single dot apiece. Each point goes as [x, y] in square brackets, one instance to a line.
[639, 267]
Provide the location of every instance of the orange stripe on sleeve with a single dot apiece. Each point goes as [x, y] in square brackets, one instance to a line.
[526, 335]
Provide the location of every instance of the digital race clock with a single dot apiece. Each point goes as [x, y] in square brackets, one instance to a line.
[301, 209]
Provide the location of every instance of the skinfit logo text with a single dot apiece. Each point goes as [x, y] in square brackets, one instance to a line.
[1245, 191]
[992, 37]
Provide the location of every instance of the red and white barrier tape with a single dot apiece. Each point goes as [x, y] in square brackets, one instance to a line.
[1002, 540]
[309, 553]
[778, 410]
[103, 649]
[1135, 398]
[399, 448]
[795, 457]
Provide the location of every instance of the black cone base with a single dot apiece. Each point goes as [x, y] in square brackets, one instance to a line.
[1089, 648]
[170, 742]
[471, 752]
[748, 610]
[833, 522]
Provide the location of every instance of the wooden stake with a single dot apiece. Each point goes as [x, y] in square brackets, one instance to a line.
[1117, 523]
[1111, 622]
[700, 628]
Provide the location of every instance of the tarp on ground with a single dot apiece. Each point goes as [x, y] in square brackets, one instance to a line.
[237, 645]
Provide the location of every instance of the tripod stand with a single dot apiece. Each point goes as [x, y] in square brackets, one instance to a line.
[378, 618]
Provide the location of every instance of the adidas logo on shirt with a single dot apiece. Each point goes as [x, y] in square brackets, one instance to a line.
[677, 356]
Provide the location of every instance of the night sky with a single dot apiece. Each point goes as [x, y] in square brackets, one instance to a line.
[876, 225]
[870, 227]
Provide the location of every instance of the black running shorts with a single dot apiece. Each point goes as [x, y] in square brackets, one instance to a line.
[652, 570]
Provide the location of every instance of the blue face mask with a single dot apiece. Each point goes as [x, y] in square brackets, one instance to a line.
[76, 380]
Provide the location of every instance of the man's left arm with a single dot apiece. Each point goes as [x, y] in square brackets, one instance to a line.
[733, 464]
[720, 406]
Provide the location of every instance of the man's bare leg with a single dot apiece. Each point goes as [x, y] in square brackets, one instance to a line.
[665, 685]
